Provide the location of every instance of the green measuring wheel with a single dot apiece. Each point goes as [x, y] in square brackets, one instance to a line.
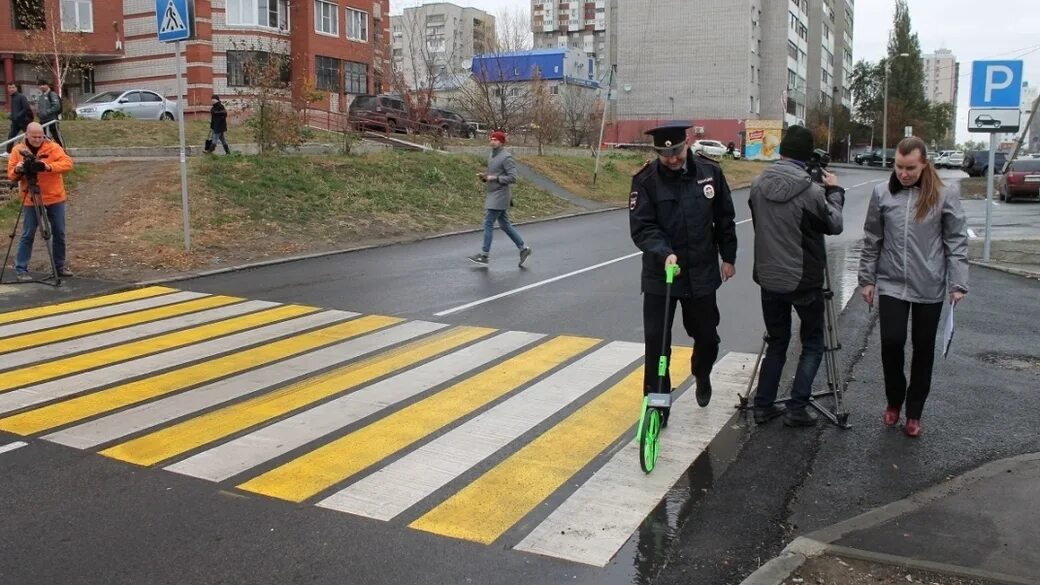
[657, 405]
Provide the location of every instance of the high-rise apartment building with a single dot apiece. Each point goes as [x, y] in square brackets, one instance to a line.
[439, 40]
[729, 62]
[577, 24]
[941, 75]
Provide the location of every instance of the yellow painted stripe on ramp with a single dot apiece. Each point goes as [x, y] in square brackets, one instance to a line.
[62, 413]
[493, 503]
[330, 464]
[152, 345]
[57, 309]
[46, 336]
[190, 434]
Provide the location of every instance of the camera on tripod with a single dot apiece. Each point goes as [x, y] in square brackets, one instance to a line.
[817, 163]
[31, 165]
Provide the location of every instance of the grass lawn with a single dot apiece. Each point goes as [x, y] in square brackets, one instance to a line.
[614, 180]
[127, 133]
[9, 209]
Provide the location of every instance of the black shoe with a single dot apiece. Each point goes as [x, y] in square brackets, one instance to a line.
[799, 417]
[764, 414]
[481, 259]
[524, 254]
[703, 391]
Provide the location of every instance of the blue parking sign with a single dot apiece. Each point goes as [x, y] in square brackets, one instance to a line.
[174, 20]
[996, 84]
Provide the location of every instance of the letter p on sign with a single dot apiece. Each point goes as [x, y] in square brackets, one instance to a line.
[996, 84]
[992, 73]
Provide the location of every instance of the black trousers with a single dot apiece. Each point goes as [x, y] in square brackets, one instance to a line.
[776, 312]
[893, 314]
[55, 134]
[700, 317]
[17, 127]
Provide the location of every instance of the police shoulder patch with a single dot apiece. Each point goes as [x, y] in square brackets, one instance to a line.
[633, 200]
[704, 157]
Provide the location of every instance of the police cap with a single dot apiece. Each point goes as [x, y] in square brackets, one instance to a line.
[670, 138]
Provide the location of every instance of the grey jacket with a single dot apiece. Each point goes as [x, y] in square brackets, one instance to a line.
[791, 215]
[48, 108]
[911, 261]
[500, 191]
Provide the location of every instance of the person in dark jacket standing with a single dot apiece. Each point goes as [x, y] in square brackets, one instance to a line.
[791, 214]
[21, 113]
[48, 109]
[681, 213]
[217, 126]
[499, 178]
[915, 254]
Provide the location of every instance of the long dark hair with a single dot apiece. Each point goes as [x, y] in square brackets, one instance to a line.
[931, 184]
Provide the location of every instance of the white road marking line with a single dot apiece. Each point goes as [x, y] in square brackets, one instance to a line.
[407, 481]
[867, 183]
[97, 313]
[12, 446]
[101, 340]
[148, 415]
[93, 379]
[262, 445]
[599, 518]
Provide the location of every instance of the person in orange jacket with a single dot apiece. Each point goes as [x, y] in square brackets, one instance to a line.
[54, 163]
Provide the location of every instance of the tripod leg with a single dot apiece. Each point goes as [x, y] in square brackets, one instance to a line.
[14, 233]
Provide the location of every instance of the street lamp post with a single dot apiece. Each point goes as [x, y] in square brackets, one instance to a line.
[884, 123]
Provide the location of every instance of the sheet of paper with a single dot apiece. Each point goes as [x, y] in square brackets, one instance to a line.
[948, 331]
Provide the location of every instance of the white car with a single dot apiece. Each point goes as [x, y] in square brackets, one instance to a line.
[142, 104]
[955, 160]
[712, 148]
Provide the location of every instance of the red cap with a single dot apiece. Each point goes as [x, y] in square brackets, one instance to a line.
[499, 136]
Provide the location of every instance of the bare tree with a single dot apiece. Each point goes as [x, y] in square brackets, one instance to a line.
[261, 72]
[546, 115]
[582, 113]
[55, 46]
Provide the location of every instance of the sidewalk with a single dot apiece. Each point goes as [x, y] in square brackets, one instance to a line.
[955, 507]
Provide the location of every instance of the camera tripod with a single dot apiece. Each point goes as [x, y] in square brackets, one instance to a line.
[831, 346]
[43, 225]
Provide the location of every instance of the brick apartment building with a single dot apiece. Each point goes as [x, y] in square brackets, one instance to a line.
[342, 46]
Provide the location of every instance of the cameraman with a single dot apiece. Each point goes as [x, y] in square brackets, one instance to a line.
[791, 214]
[45, 162]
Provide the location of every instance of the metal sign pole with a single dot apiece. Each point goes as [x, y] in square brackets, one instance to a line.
[989, 194]
[603, 122]
[181, 101]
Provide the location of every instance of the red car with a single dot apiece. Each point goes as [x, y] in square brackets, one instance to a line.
[1022, 179]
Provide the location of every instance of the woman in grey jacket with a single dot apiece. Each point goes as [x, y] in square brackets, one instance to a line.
[914, 253]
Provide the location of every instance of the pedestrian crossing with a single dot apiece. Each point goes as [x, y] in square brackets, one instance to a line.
[461, 431]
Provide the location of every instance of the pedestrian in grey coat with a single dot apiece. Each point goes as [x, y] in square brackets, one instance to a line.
[48, 109]
[914, 255]
[499, 178]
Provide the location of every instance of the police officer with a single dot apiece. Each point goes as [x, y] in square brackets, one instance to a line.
[681, 212]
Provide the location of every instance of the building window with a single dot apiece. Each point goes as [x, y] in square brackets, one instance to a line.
[326, 70]
[326, 20]
[28, 14]
[240, 64]
[355, 77]
[86, 81]
[77, 15]
[357, 25]
[265, 13]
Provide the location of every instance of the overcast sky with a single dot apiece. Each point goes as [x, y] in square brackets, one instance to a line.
[973, 30]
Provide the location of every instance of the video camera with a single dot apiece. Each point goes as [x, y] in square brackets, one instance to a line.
[816, 164]
[31, 165]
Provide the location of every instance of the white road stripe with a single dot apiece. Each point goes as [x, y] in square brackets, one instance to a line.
[598, 519]
[407, 481]
[94, 379]
[867, 183]
[98, 313]
[91, 342]
[12, 446]
[239, 455]
[148, 415]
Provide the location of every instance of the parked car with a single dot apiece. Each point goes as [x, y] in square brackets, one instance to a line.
[873, 158]
[142, 104]
[941, 159]
[378, 112]
[955, 160]
[976, 162]
[451, 123]
[712, 148]
[1021, 180]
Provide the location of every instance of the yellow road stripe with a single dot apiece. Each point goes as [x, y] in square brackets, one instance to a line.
[190, 434]
[103, 357]
[46, 336]
[69, 411]
[132, 295]
[326, 466]
[486, 508]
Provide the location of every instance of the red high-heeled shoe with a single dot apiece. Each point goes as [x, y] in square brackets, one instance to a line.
[913, 427]
[891, 416]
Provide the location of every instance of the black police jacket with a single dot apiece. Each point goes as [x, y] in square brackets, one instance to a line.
[688, 213]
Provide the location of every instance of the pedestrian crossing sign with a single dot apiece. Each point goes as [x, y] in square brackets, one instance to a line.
[174, 19]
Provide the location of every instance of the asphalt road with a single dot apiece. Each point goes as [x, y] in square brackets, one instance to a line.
[75, 517]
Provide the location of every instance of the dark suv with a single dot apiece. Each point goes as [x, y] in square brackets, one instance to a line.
[378, 112]
[873, 158]
[451, 123]
[976, 162]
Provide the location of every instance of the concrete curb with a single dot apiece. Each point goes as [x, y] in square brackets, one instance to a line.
[1007, 269]
[820, 541]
